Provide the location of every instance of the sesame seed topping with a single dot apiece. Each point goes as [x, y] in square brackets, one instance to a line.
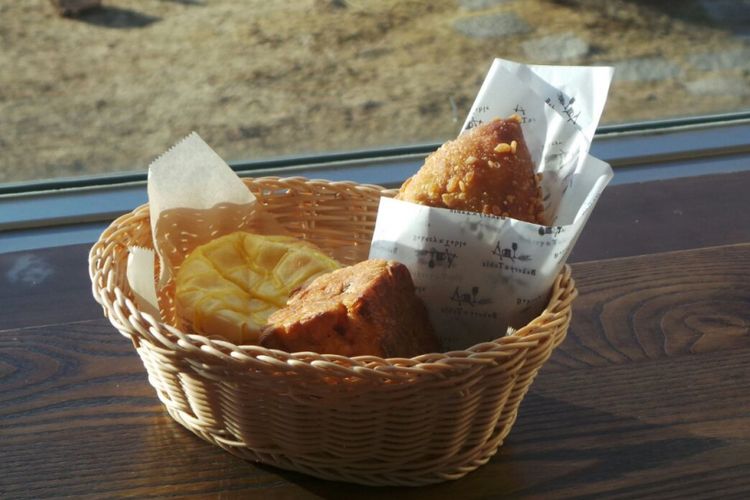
[503, 147]
[448, 199]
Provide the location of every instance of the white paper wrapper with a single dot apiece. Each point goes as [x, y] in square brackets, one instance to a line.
[479, 274]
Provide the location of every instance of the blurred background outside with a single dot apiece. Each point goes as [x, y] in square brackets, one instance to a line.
[110, 89]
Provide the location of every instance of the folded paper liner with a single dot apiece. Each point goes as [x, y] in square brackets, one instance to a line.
[194, 197]
[479, 274]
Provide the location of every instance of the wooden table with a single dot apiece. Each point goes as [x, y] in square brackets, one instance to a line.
[649, 395]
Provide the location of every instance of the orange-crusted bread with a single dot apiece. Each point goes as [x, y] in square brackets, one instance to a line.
[368, 308]
[487, 169]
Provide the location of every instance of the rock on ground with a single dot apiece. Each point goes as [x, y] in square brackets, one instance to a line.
[726, 59]
[491, 25]
[481, 4]
[645, 69]
[565, 47]
[719, 86]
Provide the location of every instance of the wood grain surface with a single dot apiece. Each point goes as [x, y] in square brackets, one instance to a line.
[46, 286]
[630, 219]
[648, 397]
[667, 215]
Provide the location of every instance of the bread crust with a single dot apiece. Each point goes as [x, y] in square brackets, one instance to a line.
[487, 169]
[369, 308]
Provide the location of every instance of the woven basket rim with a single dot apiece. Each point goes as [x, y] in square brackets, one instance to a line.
[142, 327]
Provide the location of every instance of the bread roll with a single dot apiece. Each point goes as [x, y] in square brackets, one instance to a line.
[368, 308]
[487, 169]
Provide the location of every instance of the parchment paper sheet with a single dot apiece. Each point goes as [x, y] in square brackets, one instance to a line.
[194, 197]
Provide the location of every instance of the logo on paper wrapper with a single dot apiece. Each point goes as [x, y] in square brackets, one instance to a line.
[521, 112]
[510, 259]
[437, 258]
[510, 253]
[565, 107]
[550, 230]
[468, 304]
[474, 122]
[469, 298]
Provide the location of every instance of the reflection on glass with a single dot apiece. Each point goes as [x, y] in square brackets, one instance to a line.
[110, 88]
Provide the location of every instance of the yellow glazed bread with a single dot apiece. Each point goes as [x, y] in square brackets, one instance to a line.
[230, 286]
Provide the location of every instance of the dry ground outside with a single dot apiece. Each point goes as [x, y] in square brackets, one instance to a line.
[113, 88]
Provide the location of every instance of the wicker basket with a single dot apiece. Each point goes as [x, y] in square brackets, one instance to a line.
[365, 420]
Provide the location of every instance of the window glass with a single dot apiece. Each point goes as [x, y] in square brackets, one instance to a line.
[107, 89]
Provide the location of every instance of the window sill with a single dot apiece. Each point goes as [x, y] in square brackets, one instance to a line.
[77, 214]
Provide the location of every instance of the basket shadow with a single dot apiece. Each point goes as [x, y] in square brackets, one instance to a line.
[588, 448]
[554, 446]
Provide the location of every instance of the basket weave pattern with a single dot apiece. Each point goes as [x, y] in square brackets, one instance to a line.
[365, 420]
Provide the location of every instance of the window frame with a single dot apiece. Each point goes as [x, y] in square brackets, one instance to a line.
[67, 211]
